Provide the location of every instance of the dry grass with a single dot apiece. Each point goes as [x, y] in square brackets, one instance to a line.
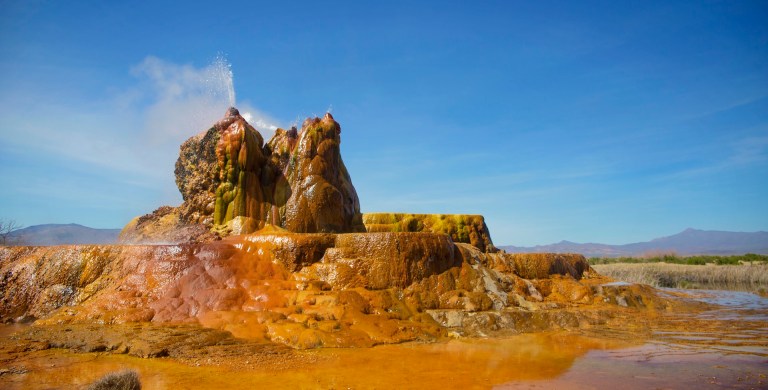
[745, 277]
[122, 380]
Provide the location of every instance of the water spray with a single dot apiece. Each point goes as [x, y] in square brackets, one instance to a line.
[221, 79]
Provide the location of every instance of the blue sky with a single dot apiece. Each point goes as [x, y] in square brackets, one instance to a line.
[608, 122]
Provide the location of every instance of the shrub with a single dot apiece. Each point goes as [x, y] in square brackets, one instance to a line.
[690, 260]
[121, 380]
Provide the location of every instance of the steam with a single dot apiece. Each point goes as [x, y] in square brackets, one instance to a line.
[259, 120]
[124, 152]
[184, 100]
[222, 79]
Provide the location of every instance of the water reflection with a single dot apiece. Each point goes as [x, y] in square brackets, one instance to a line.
[723, 346]
[475, 363]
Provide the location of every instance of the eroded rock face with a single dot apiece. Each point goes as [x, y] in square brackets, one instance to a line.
[382, 260]
[240, 158]
[165, 226]
[304, 290]
[197, 176]
[324, 199]
[541, 265]
[231, 182]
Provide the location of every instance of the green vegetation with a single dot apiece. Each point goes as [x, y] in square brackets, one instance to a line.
[689, 260]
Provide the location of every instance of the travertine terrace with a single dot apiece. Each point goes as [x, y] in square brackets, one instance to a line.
[270, 246]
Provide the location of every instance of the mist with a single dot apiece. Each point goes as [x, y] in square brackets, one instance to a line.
[116, 151]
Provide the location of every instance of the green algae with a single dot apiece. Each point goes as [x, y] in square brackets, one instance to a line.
[271, 183]
[469, 229]
[240, 157]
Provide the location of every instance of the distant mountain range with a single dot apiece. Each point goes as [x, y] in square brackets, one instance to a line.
[687, 242]
[63, 234]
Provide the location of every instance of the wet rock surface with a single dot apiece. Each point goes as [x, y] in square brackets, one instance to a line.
[383, 260]
[144, 340]
[710, 339]
[311, 290]
[323, 197]
[468, 229]
[233, 183]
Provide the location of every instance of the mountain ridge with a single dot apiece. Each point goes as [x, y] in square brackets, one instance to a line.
[62, 234]
[688, 242]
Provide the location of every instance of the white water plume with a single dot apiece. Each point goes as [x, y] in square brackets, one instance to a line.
[184, 100]
[220, 79]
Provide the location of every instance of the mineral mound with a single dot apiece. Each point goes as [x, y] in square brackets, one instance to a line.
[269, 245]
[469, 229]
[233, 183]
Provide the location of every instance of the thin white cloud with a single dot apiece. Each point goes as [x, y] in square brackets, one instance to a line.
[749, 151]
[728, 106]
[741, 153]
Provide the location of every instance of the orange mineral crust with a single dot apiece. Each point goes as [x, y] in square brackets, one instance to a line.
[309, 290]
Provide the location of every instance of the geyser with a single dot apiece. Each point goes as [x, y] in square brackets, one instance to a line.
[270, 245]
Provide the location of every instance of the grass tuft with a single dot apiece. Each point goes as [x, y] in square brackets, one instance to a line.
[121, 380]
